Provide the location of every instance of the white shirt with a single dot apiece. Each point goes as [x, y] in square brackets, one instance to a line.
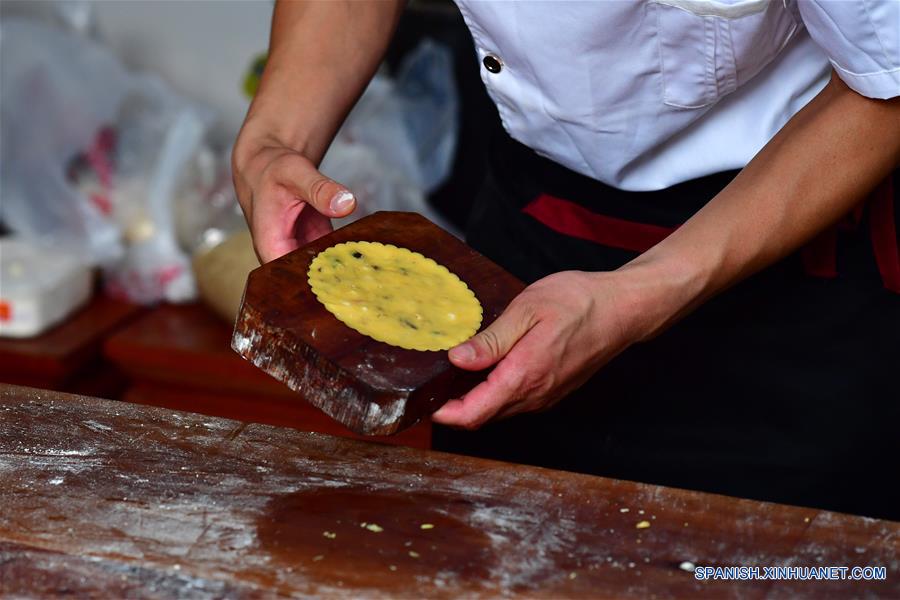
[645, 94]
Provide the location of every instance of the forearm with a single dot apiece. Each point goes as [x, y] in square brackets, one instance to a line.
[321, 57]
[819, 166]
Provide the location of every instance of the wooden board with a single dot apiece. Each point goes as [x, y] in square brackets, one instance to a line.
[108, 499]
[180, 357]
[369, 386]
[281, 411]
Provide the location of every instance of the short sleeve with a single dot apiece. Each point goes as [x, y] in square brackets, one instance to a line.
[861, 39]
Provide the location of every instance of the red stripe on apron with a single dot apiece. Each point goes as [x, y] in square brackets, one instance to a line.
[819, 256]
[573, 220]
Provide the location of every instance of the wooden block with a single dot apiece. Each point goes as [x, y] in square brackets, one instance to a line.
[179, 357]
[369, 386]
[280, 411]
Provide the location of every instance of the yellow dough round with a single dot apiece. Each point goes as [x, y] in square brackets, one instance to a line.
[394, 295]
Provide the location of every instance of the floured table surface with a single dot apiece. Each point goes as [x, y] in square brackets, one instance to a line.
[106, 499]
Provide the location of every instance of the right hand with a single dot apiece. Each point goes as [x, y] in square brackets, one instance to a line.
[286, 200]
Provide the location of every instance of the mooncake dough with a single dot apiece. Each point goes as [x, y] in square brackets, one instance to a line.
[394, 295]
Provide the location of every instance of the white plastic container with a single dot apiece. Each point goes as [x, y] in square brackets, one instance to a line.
[38, 287]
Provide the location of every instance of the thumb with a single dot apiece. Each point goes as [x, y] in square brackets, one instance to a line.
[489, 346]
[301, 178]
[281, 216]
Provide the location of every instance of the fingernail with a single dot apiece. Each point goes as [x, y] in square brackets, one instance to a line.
[464, 353]
[342, 202]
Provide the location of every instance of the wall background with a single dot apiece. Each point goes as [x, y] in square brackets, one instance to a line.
[180, 40]
[202, 48]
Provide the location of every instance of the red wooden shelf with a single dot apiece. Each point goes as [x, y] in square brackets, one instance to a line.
[69, 356]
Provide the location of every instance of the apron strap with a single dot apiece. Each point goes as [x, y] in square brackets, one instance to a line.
[819, 256]
[884, 235]
[571, 219]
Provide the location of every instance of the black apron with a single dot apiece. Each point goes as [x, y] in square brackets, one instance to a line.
[784, 388]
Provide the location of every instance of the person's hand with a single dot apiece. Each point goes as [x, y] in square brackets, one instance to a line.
[287, 202]
[550, 339]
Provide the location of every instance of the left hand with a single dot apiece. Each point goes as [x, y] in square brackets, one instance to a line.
[550, 339]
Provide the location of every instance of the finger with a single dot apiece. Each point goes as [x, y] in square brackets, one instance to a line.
[489, 346]
[304, 181]
[517, 408]
[312, 226]
[455, 413]
[241, 188]
[448, 413]
[484, 400]
[280, 218]
[518, 384]
[464, 414]
[309, 225]
[273, 224]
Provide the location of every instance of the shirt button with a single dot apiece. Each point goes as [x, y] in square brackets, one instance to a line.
[492, 63]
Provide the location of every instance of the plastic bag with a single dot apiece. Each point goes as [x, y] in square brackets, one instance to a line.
[56, 93]
[93, 158]
[158, 146]
[398, 142]
[430, 103]
[73, 15]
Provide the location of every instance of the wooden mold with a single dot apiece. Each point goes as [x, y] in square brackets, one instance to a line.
[371, 387]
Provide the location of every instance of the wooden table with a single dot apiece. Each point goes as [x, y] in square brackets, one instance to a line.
[180, 356]
[68, 357]
[109, 499]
